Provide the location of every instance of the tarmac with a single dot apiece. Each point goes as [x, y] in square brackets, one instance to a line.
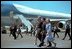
[28, 41]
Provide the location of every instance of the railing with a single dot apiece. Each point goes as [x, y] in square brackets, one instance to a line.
[25, 21]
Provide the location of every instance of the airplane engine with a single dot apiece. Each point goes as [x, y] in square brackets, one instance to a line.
[61, 24]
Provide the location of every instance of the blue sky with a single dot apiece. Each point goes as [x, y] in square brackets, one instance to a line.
[57, 6]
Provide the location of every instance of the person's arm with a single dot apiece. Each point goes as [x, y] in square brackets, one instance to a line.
[48, 29]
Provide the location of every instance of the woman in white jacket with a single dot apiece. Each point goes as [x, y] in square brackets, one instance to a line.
[49, 35]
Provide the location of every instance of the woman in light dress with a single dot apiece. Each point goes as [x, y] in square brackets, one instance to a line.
[49, 35]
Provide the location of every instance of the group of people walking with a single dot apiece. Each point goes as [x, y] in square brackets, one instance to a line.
[44, 30]
[15, 29]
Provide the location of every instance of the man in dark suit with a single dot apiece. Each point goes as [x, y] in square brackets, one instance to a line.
[67, 32]
[14, 31]
[41, 31]
[19, 31]
[11, 30]
[55, 31]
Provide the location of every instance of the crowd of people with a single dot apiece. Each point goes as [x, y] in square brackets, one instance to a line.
[44, 31]
[15, 29]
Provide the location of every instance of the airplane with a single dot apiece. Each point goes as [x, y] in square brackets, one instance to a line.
[23, 11]
[54, 16]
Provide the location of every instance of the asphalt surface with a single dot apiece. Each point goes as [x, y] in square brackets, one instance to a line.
[28, 41]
